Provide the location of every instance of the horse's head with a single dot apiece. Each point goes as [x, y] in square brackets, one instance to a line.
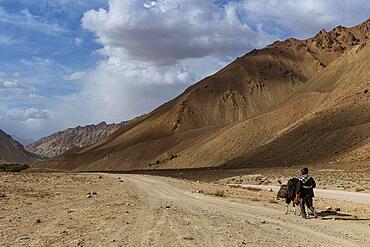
[283, 191]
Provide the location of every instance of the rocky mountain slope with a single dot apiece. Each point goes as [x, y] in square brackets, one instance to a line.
[79, 137]
[293, 102]
[12, 151]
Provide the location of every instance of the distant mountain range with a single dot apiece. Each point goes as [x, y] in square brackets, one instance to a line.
[12, 151]
[293, 102]
[21, 140]
[78, 137]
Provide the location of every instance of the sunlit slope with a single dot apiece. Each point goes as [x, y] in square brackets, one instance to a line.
[338, 130]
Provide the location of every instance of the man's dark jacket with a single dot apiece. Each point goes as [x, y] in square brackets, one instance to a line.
[305, 190]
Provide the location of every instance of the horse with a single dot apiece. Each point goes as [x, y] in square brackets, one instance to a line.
[288, 192]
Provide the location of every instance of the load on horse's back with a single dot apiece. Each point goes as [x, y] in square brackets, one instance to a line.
[292, 187]
[289, 192]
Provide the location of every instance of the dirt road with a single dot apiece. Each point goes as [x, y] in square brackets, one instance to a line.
[171, 216]
[139, 210]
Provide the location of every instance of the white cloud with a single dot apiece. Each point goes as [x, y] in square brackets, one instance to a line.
[303, 18]
[115, 92]
[6, 84]
[25, 114]
[75, 76]
[150, 4]
[165, 32]
[42, 71]
[78, 41]
[16, 92]
[25, 19]
[34, 96]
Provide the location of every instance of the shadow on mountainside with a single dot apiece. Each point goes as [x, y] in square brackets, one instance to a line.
[321, 138]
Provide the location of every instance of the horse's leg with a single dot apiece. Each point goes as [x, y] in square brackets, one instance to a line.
[294, 208]
[287, 206]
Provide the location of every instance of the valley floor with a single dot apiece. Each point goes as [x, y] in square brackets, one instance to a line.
[63, 209]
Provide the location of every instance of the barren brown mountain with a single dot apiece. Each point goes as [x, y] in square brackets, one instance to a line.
[81, 136]
[294, 101]
[12, 151]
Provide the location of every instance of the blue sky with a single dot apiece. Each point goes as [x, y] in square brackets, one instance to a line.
[42, 41]
[42, 44]
[65, 63]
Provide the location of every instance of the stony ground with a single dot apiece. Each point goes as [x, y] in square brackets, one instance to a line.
[138, 210]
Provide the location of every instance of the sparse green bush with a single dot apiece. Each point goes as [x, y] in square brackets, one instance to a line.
[13, 167]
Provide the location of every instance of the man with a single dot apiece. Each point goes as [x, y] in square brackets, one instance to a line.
[305, 192]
